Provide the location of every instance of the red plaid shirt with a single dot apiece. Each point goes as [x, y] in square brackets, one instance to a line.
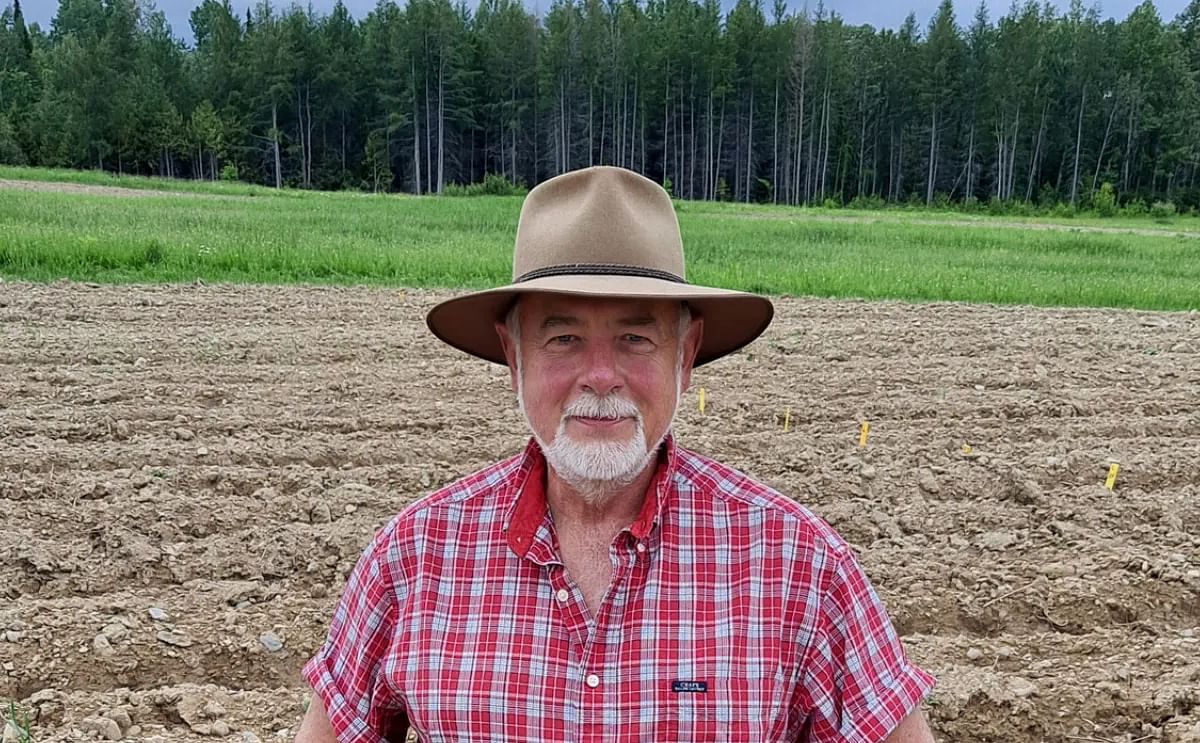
[734, 614]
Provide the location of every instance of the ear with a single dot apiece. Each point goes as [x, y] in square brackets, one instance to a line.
[691, 347]
[510, 351]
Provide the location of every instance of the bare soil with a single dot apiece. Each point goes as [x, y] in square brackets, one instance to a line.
[87, 188]
[1012, 223]
[187, 474]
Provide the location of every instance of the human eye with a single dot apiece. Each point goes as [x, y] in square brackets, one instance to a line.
[635, 339]
[563, 340]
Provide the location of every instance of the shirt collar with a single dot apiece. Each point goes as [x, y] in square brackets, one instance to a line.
[527, 514]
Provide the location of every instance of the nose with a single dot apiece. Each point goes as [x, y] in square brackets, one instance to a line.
[601, 375]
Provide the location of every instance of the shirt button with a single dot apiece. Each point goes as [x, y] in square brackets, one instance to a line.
[563, 595]
[592, 680]
[641, 547]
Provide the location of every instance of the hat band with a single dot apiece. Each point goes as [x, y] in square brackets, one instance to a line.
[598, 269]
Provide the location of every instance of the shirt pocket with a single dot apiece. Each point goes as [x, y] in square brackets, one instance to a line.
[713, 708]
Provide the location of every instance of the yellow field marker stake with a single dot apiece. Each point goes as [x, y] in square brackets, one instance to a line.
[1112, 476]
[701, 401]
[787, 419]
[862, 434]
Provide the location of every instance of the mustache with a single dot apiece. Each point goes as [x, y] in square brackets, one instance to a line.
[590, 405]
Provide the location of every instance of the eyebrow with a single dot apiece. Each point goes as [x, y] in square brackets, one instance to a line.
[554, 321]
[638, 321]
[632, 321]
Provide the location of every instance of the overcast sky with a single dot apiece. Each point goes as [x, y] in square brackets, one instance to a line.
[878, 13]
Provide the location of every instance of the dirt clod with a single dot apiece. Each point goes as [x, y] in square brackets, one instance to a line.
[174, 637]
[106, 728]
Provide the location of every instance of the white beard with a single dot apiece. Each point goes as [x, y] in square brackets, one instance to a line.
[616, 462]
[595, 469]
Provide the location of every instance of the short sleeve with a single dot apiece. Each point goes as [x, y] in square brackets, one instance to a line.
[858, 685]
[347, 671]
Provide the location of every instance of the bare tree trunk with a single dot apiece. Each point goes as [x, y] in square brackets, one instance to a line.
[891, 188]
[308, 119]
[536, 132]
[603, 124]
[825, 123]
[680, 146]
[512, 128]
[932, 156]
[565, 142]
[899, 163]
[275, 144]
[633, 128]
[692, 150]
[1035, 159]
[666, 125]
[643, 168]
[708, 145]
[717, 154]
[416, 132]
[1011, 168]
[809, 165]
[862, 139]
[1130, 137]
[303, 144]
[875, 162]
[1078, 142]
[428, 127]
[1001, 158]
[775, 148]
[441, 175]
[749, 145]
[970, 192]
[801, 194]
[1112, 115]
[620, 144]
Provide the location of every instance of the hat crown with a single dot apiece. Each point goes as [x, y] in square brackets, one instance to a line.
[599, 217]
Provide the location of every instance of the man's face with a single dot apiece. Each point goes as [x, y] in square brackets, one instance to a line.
[599, 379]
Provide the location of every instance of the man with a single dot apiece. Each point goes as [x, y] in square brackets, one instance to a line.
[607, 584]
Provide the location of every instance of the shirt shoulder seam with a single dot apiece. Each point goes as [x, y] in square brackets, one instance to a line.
[708, 475]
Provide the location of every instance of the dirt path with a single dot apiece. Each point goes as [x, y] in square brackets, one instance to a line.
[81, 188]
[982, 222]
[96, 190]
[188, 473]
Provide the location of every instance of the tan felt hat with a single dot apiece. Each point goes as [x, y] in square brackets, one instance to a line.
[600, 232]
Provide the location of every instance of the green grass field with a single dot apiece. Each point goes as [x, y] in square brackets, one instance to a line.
[241, 233]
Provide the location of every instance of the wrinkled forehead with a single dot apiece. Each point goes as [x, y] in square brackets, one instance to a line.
[536, 309]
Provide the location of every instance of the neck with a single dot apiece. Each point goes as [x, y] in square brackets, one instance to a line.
[597, 505]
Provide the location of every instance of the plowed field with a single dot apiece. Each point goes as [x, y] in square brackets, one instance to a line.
[187, 474]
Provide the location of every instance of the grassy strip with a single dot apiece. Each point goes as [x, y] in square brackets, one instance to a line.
[897, 213]
[353, 238]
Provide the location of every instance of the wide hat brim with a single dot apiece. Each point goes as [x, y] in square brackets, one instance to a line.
[732, 319]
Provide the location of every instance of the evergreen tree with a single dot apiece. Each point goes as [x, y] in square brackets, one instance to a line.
[754, 103]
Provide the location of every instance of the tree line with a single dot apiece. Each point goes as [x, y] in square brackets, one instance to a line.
[757, 104]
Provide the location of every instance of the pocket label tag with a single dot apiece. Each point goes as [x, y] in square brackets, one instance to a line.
[691, 687]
